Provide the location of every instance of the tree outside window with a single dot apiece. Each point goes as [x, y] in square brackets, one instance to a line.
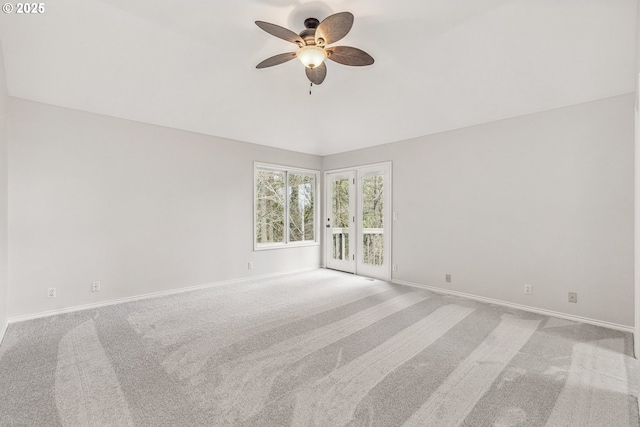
[285, 206]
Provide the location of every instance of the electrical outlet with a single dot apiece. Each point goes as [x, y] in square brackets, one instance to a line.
[395, 215]
[528, 289]
[250, 265]
[51, 292]
[447, 278]
[573, 297]
[395, 267]
[95, 286]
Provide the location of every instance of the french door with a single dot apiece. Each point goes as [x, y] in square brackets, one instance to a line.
[358, 223]
[340, 224]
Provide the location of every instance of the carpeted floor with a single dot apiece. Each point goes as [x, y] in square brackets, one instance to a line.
[315, 349]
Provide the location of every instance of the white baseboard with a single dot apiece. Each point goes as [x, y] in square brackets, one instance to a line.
[537, 310]
[148, 296]
[3, 331]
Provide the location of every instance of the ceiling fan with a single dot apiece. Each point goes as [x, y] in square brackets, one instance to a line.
[312, 42]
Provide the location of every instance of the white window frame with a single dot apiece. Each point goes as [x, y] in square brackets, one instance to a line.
[316, 207]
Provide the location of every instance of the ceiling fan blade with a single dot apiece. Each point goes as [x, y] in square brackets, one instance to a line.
[317, 74]
[276, 60]
[281, 32]
[348, 55]
[333, 28]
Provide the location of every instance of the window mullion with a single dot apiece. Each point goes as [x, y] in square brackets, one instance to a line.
[286, 207]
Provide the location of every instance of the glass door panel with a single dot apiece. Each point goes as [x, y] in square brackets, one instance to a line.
[340, 218]
[373, 222]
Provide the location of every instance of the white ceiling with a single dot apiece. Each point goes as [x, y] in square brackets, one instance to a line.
[440, 64]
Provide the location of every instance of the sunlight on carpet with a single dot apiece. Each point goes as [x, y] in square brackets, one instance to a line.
[321, 348]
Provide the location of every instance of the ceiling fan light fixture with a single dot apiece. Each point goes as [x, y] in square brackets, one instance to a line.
[311, 56]
[311, 42]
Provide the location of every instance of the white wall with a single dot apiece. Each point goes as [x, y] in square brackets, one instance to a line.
[138, 207]
[545, 199]
[4, 99]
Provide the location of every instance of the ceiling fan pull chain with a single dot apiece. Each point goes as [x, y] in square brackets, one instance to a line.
[310, 88]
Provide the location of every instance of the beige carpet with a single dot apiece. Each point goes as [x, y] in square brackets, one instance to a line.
[315, 349]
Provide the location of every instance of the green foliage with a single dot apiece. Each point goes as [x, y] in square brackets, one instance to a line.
[301, 207]
[340, 215]
[273, 195]
[372, 192]
[372, 201]
[270, 204]
[373, 218]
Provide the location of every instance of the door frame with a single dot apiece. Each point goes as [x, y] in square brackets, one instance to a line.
[348, 265]
[359, 170]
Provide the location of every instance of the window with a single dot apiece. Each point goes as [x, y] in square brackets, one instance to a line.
[285, 209]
